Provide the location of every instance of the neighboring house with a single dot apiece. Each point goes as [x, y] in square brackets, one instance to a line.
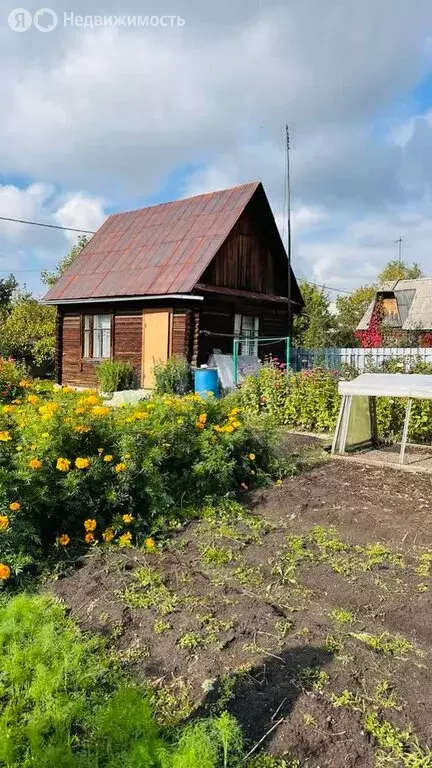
[179, 278]
[404, 305]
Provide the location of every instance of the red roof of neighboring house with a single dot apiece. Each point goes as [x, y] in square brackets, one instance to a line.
[162, 249]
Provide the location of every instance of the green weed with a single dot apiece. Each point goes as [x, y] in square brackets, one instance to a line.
[312, 679]
[387, 644]
[151, 592]
[160, 626]
[217, 556]
[341, 616]
[248, 576]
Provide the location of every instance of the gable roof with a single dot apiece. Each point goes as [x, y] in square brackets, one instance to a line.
[159, 250]
[414, 301]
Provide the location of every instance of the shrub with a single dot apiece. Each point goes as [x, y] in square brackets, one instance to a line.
[77, 472]
[173, 377]
[65, 703]
[114, 375]
[12, 380]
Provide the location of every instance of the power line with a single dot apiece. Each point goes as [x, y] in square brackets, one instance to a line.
[49, 226]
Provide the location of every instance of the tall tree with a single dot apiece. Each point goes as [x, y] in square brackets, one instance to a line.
[313, 327]
[50, 278]
[400, 270]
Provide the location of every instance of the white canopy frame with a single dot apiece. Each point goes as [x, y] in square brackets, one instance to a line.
[373, 385]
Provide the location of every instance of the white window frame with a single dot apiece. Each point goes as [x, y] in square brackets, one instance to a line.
[97, 336]
[247, 346]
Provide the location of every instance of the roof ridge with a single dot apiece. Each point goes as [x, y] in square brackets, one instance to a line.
[254, 184]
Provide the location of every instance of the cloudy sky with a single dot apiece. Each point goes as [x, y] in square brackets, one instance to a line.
[97, 120]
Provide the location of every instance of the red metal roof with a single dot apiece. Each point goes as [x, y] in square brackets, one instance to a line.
[162, 249]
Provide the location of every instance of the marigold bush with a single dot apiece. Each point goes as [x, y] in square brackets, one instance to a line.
[67, 460]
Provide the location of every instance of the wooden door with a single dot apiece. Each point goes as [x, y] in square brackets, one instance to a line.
[156, 343]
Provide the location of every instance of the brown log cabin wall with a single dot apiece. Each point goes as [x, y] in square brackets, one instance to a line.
[73, 369]
[217, 316]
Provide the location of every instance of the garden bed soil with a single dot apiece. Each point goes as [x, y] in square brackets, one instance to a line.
[232, 615]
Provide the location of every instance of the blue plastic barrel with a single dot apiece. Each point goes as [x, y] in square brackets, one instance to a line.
[206, 381]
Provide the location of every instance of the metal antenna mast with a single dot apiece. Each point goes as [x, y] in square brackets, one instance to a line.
[288, 231]
[399, 242]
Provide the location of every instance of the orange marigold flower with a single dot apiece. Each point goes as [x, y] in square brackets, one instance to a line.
[108, 535]
[64, 540]
[100, 410]
[63, 465]
[4, 522]
[127, 519]
[90, 524]
[8, 408]
[108, 458]
[150, 543]
[82, 463]
[125, 539]
[5, 436]
[33, 399]
[82, 429]
[5, 572]
[252, 456]
[15, 506]
[89, 538]
[90, 400]
[120, 467]
[26, 383]
[35, 464]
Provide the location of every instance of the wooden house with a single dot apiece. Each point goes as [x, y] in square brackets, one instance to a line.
[179, 278]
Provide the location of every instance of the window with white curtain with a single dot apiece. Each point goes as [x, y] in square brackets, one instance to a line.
[246, 327]
[97, 336]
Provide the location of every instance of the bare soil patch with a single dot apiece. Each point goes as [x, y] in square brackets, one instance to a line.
[308, 616]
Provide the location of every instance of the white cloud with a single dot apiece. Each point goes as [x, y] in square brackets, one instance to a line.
[80, 211]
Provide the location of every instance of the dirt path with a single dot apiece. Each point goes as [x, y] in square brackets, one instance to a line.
[310, 612]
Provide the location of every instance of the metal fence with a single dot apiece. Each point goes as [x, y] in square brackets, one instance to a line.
[362, 359]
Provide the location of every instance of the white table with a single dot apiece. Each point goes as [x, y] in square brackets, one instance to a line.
[373, 385]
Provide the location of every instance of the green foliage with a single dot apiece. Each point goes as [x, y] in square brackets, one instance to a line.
[66, 458]
[50, 278]
[65, 704]
[386, 643]
[29, 332]
[114, 375]
[11, 376]
[173, 377]
[313, 327]
[400, 270]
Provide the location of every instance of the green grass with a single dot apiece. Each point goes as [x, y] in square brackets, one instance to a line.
[65, 703]
[386, 644]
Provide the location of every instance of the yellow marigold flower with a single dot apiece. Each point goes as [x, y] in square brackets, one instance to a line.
[90, 400]
[108, 535]
[67, 390]
[89, 538]
[8, 408]
[35, 464]
[127, 518]
[5, 436]
[120, 467]
[63, 465]
[278, 482]
[33, 399]
[127, 456]
[90, 524]
[139, 415]
[45, 435]
[228, 428]
[81, 463]
[150, 544]
[108, 458]
[100, 410]
[64, 540]
[236, 424]
[82, 429]
[15, 506]
[5, 572]
[234, 411]
[4, 522]
[26, 383]
[252, 456]
[125, 539]
[80, 411]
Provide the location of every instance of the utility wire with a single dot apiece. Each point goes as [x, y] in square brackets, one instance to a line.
[49, 226]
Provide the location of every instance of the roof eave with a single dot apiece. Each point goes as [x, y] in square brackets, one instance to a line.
[109, 299]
